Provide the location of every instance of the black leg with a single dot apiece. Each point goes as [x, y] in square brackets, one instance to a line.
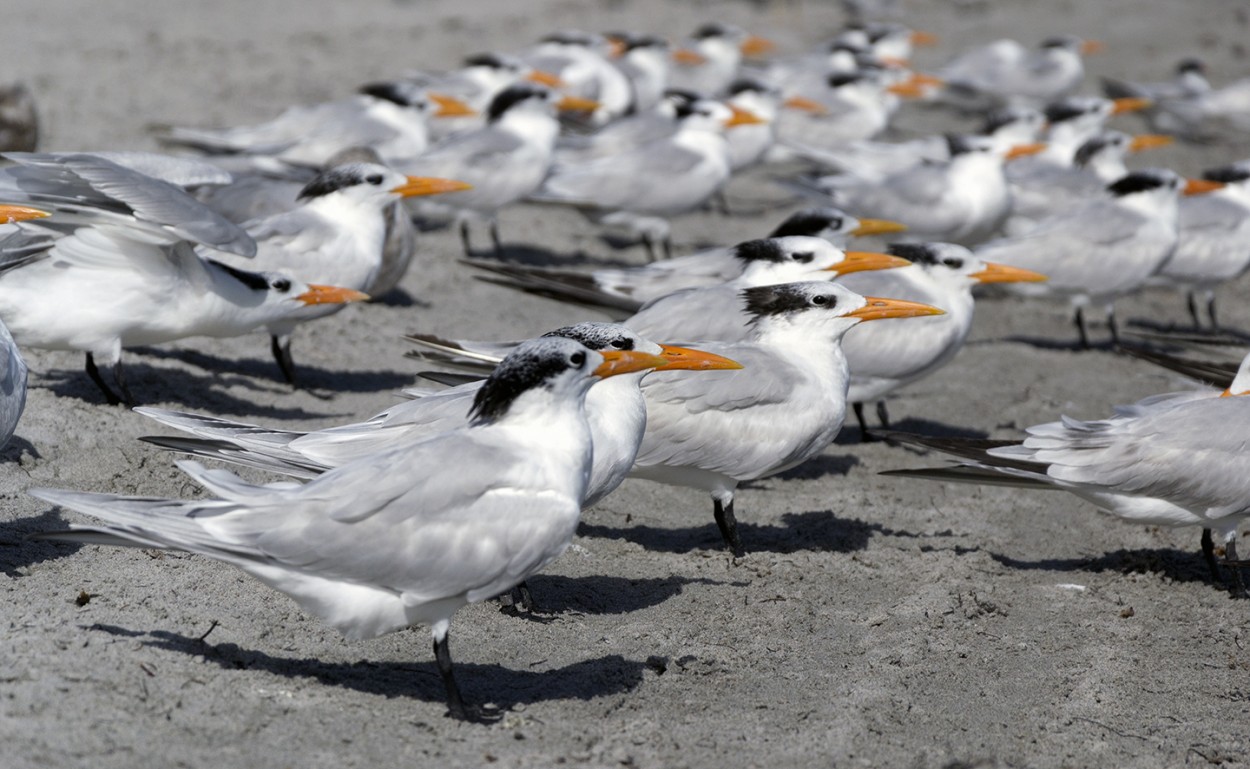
[524, 598]
[1079, 320]
[464, 238]
[1215, 324]
[94, 373]
[1191, 299]
[1208, 555]
[1113, 326]
[120, 375]
[668, 246]
[864, 435]
[1237, 586]
[455, 703]
[494, 237]
[883, 415]
[646, 241]
[728, 526]
[281, 349]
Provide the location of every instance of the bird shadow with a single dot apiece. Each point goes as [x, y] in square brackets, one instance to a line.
[18, 551]
[16, 448]
[819, 466]
[1189, 329]
[815, 531]
[556, 594]
[586, 680]
[1176, 565]
[1050, 343]
[263, 374]
[398, 297]
[912, 425]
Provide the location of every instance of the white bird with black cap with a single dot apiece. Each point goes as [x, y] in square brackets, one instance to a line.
[407, 536]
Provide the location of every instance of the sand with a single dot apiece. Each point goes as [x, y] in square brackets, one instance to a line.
[875, 621]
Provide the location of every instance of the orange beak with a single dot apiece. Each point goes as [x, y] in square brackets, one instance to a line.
[424, 185]
[1024, 150]
[741, 116]
[1091, 47]
[449, 106]
[755, 46]
[805, 104]
[616, 47]
[866, 261]
[1149, 142]
[1200, 186]
[921, 38]
[1129, 104]
[688, 58]
[877, 227]
[695, 360]
[879, 309]
[545, 78]
[914, 87]
[628, 361]
[331, 295]
[1001, 273]
[14, 213]
[576, 104]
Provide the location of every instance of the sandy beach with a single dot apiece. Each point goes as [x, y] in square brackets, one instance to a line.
[874, 622]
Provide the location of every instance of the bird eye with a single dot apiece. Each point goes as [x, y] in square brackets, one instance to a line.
[804, 257]
[620, 344]
[282, 285]
[953, 263]
[577, 359]
[822, 300]
[374, 179]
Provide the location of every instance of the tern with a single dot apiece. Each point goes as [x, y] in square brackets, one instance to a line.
[623, 291]
[504, 160]
[709, 61]
[886, 356]
[336, 236]
[614, 409]
[581, 61]
[1007, 73]
[1177, 459]
[786, 409]
[1103, 248]
[406, 536]
[1190, 106]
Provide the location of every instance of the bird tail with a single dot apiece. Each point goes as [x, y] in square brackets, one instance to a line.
[235, 442]
[449, 352]
[561, 285]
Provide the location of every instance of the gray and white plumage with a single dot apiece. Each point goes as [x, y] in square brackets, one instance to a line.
[12, 385]
[1007, 73]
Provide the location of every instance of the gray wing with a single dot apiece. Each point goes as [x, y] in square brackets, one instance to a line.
[621, 181]
[12, 385]
[697, 313]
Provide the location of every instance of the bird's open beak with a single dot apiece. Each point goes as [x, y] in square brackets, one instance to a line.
[877, 227]
[1129, 104]
[1149, 142]
[1001, 273]
[1024, 150]
[576, 104]
[627, 361]
[15, 213]
[742, 116]
[879, 309]
[424, 185]
[866, 261]
[545, 78]
[331, 295]
[755, 46]
[688, 58]
[1201, 186]
[1091, 47]
[695, 360]
[449, 106]
[805, 104]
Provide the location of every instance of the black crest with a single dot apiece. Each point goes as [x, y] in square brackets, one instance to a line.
[1058, 112]
[1137, 181]
[713, 29]
[597, 336]
[492, 60]
[533, 364]
[1191, 64]
[570, 37]
[1061, 41]
[783, 299]
[764, 250]
[511, 96]
[331, 180]
[810, 222]
[643, 41]
[748, 84]
[1091, 148]
[1228, 174]
[396, 92]
[916, 253]
[839, 79]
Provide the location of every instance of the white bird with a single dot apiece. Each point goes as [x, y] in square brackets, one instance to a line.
[101, 275]
[481, 78]
[962, 200]
[12, 383]
[786, 409]
[1049, 188]
[627, 134]
[1102, 248]
[1006, 73]
[504, 160]
[614, 409]
[639, 190]
[581, 60]
[622, 291]
[1177, 459]
[1214, 244]
[853, 106]
[1190, 106]
[886, 356]
[646, 62]
[390, 118]
[714, 312]
[709, 60]
[406, 536]
[335, 236]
